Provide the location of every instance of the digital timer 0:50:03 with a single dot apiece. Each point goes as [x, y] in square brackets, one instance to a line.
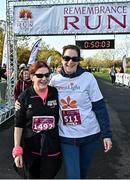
[96, 44]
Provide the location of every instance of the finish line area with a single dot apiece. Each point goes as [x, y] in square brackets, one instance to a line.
[36, 18]
[60, 17]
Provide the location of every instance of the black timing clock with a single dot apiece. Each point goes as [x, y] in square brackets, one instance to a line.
[96, 44]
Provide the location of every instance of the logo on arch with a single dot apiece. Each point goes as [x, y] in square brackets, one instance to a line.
[25, 14]
[25, 22]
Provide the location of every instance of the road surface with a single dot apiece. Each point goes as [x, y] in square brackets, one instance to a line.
[113, 165]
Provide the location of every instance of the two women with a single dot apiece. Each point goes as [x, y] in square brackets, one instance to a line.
[83, 117]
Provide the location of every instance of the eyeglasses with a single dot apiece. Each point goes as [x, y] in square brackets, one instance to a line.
[42, 75]
[68, 58]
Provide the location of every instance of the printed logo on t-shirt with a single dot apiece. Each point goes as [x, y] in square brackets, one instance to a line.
[30, 106]
[68, 103]
[70, 86]
[52, 103]
[70, 111]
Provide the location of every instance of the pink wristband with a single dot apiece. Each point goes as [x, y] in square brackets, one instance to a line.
[18, 150]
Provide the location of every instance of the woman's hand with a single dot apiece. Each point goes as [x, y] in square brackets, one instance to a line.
[17, 105]
[19, 161]
[107, 144]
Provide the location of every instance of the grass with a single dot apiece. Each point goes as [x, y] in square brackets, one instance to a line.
[128, 70]
[2, 101]
[104, 76]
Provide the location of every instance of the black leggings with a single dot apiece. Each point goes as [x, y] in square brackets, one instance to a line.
[44, 167]
[113, 78]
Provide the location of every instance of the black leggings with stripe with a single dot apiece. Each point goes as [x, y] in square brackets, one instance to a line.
[44, 167]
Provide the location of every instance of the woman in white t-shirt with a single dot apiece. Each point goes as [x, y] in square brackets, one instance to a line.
[83, 115]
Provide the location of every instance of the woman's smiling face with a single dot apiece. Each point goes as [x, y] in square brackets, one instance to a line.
[70, 66]
[41, 83]
[26, 75]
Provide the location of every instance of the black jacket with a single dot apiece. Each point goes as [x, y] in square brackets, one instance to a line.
[45, 142]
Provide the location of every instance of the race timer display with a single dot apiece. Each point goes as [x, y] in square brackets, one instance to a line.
[96, 44]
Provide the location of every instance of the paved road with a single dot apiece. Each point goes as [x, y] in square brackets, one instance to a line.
[114, 165]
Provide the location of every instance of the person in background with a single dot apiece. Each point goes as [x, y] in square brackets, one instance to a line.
[3, 72]
[113, 74]
[83, 115]
[36, 139]
[0, 73]
[58, 69]
[23, 82]
[20, 67]
[121, 69]
[89, 69]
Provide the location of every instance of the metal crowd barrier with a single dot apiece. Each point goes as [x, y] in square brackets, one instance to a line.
[123, 79]
[6, 111]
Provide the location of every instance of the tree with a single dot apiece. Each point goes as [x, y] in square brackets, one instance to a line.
[23, 54]
[1, 44]
[23, 41]
[124, 47]
[45, 52]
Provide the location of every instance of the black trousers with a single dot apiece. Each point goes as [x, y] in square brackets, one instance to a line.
[44, 167]
[113, 78]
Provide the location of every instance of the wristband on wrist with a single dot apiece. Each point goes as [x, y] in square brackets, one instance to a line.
[18, 150]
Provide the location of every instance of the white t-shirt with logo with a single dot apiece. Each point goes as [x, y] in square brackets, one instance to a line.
[75, 99]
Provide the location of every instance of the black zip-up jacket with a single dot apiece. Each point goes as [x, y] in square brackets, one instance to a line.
[45, 142]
